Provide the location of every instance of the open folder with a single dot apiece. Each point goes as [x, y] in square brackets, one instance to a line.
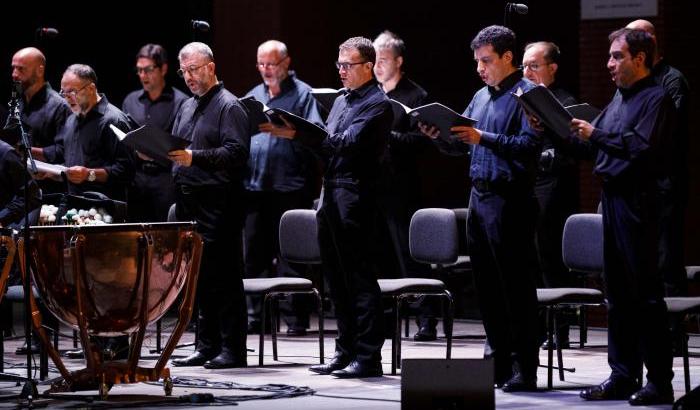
[325, 97]
[50, 169]
[259, 113]
[540, 102]
[435, 114]
[151, 141]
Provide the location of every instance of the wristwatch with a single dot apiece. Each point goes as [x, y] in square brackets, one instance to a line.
[92, 176]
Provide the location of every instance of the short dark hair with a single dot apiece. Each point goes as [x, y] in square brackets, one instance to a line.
[501, 38]
[390, 41]
[638, 41]
[551, 50]
[155, 52]
[83, 71]
[363, 45]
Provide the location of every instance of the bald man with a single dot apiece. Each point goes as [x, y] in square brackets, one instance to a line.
[673, 186]
[43, 110]
[280, 176]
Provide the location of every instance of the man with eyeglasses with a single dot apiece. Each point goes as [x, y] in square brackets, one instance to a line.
[357, 125]
[95, 159]
[209, 190]
[504, 150]
[281, 175]
[156, 104]
[43, 110]
[633, 139]
[556, 183]
[400, 194]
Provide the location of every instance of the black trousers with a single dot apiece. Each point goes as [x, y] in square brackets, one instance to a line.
[262, 225]
[500, 234]
[638, 331]
[150, 196]
[671, 243]
[222, 309]
[345, 225]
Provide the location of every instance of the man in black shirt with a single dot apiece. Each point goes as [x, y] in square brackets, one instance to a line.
[400, 196]
[209, 190]
[95, 159]
[632, 138]
[43, 111]
[357, 125]
[556, 183]
[12, 183]
[153, 190]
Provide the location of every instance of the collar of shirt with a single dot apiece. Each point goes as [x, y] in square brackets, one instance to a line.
[167, 95]
[362, 90]
[39, 98]
[286, 85]
[204, 100]
[506, 84]
[99, 109]
[638, 86]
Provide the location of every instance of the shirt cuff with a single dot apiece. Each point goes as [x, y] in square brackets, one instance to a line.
[488, 139]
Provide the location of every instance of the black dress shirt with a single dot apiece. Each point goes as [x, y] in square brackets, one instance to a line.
[45, 114]
[12, 180]
[217, 125]
[159, 113]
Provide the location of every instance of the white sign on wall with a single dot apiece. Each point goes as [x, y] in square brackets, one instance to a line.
[608, 9]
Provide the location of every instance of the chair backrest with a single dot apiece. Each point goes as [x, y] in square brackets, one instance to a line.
[299, 237]
[433, 236]
[582, 243]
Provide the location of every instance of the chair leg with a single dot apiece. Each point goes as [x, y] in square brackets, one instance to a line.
[159, 331]
[320, 325]
[583, 327]
[399, 303]
[75, 339]
[550, 345]
[448, 319]
[686, 364]
[407, 321]
[274, 323]
[261, 345]
[560, 359]
[397, 332]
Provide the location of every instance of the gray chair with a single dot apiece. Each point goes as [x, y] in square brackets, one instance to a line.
[298, 244]
[683, 307]
[582, 251]
[433, 237]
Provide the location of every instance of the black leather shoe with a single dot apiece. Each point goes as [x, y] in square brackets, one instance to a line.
[22, 350]
[195, 359]
[336, 363]
[650, 395]
[565, 344]
[75, 354]
[425, 334]
[296, 331]
[356, 370]
[225, 360]
[518, 383]
[610, 389]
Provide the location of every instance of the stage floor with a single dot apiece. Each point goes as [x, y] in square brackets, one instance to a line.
[297, 353]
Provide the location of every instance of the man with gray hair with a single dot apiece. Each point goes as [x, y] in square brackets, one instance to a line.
[280, 176]
[95, 159]
[209, 190]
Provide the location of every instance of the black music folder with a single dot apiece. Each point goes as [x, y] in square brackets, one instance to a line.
[434, 114]
[325, 97]
[152, 141]
[540, 102]
[260, 113]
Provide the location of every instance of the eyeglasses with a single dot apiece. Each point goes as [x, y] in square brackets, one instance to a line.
[533, 66]
[191, 69]
[146, 70]
[346, 66]
[72, 93]
[269, 65]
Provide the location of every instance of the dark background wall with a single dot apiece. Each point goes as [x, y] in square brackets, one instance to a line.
[438, 57]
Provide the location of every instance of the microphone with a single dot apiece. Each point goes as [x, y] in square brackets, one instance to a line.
[200, 25]
[517, 8]
[48, 32]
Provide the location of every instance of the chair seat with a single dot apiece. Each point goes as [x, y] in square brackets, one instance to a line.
[16, 293]
[554, 296]
[693, 273]
[266, 285]
[684, 305]
[410, 285]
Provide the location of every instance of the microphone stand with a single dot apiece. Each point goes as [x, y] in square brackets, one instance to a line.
[29, 391]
